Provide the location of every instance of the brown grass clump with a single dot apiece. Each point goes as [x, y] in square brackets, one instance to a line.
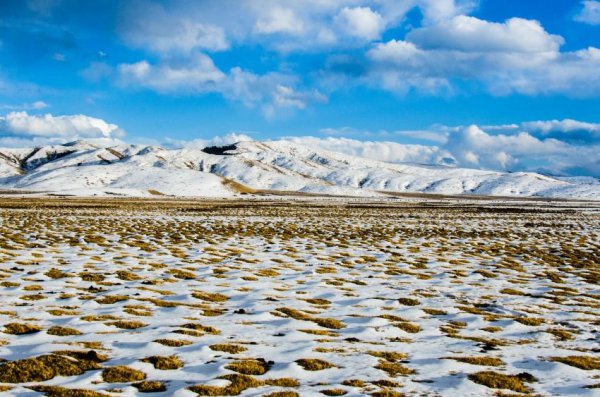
[122, 374]
[386, 383]
[110, 299]
[56, 273]
[314, 364]
[42, 368]
[281, 394]
[62, 331]
[354, 383]
[91, 277]
[496, 380]
[164, 362]
[249, 367]
[480, 360]
[127, 324]
[150, 386]
[239, 383]
[127, 276]
[434, 312]
[319, 332]
[394, 369]
[387, 393]
[318, 302]
[561, 334]
[21, 329]
[228, 348]
[208, 297]
[57, 391]
[173, 342]
[581, 362]
[334, 392]
[512, 291]
[409, 302]
[390, 356]
[531, 321]
[202, 328]
[408, 327]
[323, 322]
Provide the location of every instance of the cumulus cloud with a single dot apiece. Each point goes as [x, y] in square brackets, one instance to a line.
[195, 74]
[69, 127]
[561, 147]
[378, 150]
[515, 56]
[218, 140]
[269, 91]
[589, 13]
[147, 24]
[361, 22]
[279, 20]
[470, 34]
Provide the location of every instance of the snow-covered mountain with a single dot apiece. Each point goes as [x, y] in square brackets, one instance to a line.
[83, 168]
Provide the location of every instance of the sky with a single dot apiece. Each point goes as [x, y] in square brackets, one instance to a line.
[494, 84]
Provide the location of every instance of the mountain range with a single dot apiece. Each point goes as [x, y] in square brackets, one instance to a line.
[85, 168]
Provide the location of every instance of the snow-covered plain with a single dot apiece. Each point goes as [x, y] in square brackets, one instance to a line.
[84, 169]
[298, 298]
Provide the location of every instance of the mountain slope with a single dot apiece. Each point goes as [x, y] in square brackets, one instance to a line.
[83, 168]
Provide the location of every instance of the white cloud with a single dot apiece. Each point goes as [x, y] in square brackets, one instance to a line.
[378, 150]
[200, 143]
[560, 147]
[149, 25]
[361, 22]
[515, 56]
[71, 127]
[470, 34]
[566, 125]
[590, 13]
[194, 75]
[37, 105]
[279, 20]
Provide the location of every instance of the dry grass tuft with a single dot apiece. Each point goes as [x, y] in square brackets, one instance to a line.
[496, 380]
[228, 348]
[390, 356]
[42, 368]
[150, 386]
[21, 329]
[394, 369]
[531, 321]
[478, 360]
[581, 362]
[122, 374]
[249, 367]
[127, 324]
[173, 342]
[281, 394]
[314, 364]
[164, 362]
[409, 302]
[62, 331]
[208, 297]
[334, 392]
[57, 391]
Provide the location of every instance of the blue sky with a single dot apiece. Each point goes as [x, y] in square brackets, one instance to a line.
[501, 84]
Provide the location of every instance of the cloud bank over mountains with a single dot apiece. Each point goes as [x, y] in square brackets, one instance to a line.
[559, 147]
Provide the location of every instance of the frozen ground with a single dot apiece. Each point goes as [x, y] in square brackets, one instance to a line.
[311, 298]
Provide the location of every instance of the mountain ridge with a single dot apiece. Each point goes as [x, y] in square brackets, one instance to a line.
[86, 168]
